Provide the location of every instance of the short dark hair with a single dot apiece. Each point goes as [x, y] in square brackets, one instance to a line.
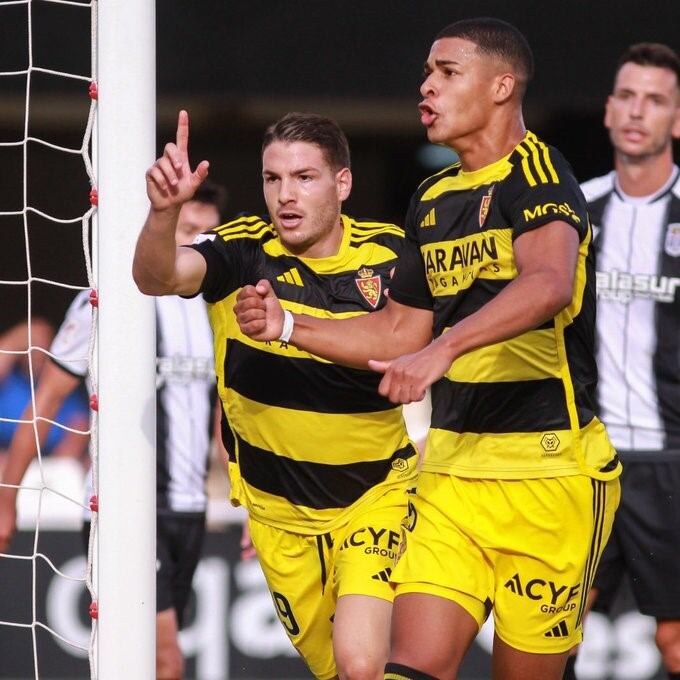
[651, 54]
[315, 129]
[499, 39]
[213, 194]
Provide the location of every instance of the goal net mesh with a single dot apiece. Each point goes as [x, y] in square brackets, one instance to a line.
[48, 210]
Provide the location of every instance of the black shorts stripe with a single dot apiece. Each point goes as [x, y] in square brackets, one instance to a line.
[322, 560]
[228, 439]
[313, 485]
[301, 384]
[596, 547]
[521, 406]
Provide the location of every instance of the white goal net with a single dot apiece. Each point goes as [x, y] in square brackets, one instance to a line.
[55, 64]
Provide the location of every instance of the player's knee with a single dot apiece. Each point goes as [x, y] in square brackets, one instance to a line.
[169, 663]
[360, 666]
[668, 642]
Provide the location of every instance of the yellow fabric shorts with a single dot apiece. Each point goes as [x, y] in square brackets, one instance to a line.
[525, 549]
[307, 574]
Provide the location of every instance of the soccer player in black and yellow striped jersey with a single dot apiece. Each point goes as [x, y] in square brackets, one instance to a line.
[519, 484]
[319, 458]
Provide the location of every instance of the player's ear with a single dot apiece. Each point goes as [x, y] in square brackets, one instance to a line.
[504, 87]
[675, 130]
[343, 183]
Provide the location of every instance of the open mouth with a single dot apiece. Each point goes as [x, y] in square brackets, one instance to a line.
[427, 114]
[289, 219]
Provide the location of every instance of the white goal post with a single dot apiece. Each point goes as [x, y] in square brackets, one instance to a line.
[126, 556]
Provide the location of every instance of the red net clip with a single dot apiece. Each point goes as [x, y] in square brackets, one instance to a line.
[93, 91]
[94, 298]
[94, 504]
[94, 610]
[94, 402]
[94, 196]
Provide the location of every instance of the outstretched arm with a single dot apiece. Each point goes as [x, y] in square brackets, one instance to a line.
[160, 267]
[390, 332]
[54, 386]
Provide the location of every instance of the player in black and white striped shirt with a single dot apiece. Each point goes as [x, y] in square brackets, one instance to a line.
[635, 211]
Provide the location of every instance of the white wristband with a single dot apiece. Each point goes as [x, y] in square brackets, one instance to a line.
[287, 326]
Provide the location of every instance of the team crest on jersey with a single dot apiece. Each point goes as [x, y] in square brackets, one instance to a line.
[369, 286]
[484, 206]
[672, 243]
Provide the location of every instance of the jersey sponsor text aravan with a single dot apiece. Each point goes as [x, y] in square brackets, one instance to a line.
[470, 252]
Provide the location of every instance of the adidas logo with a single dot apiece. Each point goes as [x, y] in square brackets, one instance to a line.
[383, 575]
[292, 276]
[429, 220]
[558, 631]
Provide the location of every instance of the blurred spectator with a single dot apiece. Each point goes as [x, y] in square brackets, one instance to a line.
[15, 391]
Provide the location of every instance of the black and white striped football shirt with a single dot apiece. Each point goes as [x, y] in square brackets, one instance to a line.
[637, 240]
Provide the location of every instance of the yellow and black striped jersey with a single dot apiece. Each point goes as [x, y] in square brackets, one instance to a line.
[524, 407]
[310, 440]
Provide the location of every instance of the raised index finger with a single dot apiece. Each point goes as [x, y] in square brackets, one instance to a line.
[183, 131]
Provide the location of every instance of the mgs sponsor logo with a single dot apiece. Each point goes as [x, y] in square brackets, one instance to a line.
[624, 286]
[558, 209]
[373, 541]
[553, 597]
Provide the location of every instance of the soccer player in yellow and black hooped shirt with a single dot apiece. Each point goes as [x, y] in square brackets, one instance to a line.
[519, 484]
[319, 458]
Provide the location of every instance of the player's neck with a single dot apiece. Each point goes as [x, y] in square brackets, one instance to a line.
[327, 246]
[643, 176]
[491, 144]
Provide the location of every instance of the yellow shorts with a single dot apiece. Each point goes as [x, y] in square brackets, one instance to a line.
[307, 574]
[526, 549]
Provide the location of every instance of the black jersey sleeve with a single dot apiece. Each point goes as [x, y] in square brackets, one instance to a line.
[409, 284]
[231, 252]
[541, 189]
[225, 266]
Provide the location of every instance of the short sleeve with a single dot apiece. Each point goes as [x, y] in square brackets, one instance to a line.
[222, 267]
[542, 189]
[71, 344]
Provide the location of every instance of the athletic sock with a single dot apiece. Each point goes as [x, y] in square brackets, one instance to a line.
[395, 671]
[569, 669]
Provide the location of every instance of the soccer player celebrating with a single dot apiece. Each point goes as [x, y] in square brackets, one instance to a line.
[636, 212]
[519, 485]
[321, 461]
